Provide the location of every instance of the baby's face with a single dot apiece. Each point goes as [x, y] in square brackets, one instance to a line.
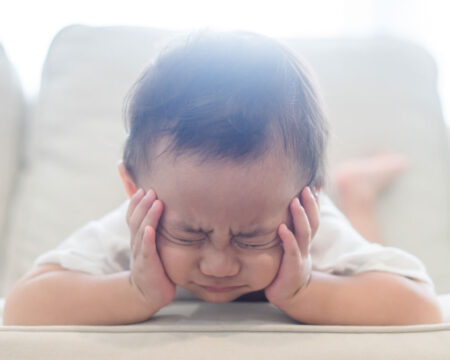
[220, 221]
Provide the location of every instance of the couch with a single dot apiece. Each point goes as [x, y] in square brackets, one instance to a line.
[58, 169]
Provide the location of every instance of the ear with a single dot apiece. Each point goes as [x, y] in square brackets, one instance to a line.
[127, 180]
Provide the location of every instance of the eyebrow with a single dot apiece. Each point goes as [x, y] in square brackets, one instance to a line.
[180, 225]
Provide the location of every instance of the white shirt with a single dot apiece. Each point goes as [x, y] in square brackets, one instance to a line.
[103, 247]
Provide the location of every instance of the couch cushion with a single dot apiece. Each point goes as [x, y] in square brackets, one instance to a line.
[379, 92]
[199, 330]
[12, 111]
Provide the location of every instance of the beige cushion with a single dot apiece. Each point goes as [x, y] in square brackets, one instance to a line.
[199, 330]
[379, 92]
[12, 113]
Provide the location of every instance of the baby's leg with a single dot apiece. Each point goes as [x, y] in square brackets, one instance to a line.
[359, 184]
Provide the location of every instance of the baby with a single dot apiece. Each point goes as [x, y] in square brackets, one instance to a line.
[224, 164]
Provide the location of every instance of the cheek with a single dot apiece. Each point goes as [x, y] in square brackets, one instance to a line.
[263, 267]
[176, 260]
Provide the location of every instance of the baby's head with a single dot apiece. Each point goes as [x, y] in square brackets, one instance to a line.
[227, 128]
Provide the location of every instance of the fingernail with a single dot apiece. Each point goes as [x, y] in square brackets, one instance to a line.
[139, 192]
[313, 193]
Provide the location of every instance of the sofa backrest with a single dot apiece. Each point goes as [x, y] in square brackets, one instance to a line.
[379, 93]
[12, 119]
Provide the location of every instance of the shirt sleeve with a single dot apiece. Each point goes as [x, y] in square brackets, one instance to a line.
[339, 249]
[99, 247]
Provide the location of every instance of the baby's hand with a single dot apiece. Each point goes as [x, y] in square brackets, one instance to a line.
[296, 265]
[147, 271]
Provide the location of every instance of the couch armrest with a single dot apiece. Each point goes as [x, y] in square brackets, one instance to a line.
[197, 329]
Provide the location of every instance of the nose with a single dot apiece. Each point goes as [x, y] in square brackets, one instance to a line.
[216, 262]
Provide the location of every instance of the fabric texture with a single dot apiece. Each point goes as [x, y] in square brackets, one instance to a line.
[196, 330]
[444, 302]
[103, 247]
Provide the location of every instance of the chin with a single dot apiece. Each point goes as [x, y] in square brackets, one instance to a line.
[218, 301]
[219, 298]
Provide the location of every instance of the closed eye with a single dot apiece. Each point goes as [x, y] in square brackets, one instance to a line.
[185, 241]
[251, 245]
[258, 246]
[245, 244]
[175, 239]
[188, 241]
[240, 244]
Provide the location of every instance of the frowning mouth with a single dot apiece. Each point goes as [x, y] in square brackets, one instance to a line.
[220, 289]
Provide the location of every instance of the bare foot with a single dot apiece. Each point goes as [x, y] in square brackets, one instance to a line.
[361, 180]
[359, 183]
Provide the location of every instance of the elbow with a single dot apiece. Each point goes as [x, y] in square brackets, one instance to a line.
[9, 312]
[425, 307]
[432, 312]
[12, 310]
[15, 311]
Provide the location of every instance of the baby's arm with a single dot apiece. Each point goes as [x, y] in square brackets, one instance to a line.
[355, 282]
[52, 295]
[371, 298]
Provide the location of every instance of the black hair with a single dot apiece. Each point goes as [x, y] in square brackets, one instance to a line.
[226, 95]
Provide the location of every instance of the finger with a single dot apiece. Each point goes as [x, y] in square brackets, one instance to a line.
[149, 252]
[133, 202]
[141, 210]
[143, 253]
[290, 247]
[151, 218]
[153, 215]
[137, 246]
[142, 241]
[312, 210]
[302, 228]
[292, 260]
[147, 240]
[316, 196]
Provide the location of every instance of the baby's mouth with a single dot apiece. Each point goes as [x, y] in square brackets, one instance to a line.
[220, 289]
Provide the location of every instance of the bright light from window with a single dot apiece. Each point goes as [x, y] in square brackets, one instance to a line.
[27, 27]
